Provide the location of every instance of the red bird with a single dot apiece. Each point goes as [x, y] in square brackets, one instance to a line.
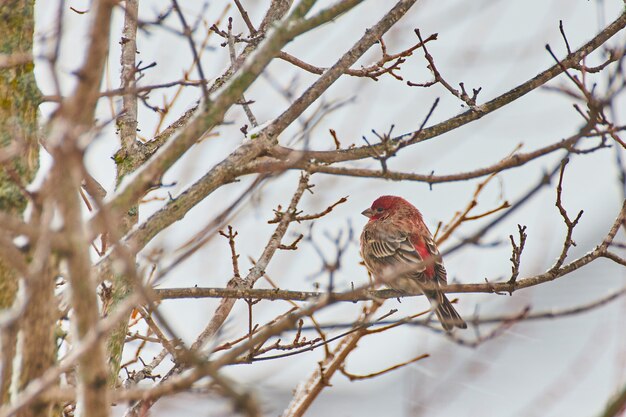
[394, 239]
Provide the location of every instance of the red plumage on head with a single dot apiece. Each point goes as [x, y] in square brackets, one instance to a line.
[388, 202]
[391, 204]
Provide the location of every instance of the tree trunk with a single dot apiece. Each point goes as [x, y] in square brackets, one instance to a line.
[19, 100]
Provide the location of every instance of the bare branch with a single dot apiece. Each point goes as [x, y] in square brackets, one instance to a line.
[470, 115]
[516, 256]
[16, 59]
[570, 224]
[462, 95]
[353, 377]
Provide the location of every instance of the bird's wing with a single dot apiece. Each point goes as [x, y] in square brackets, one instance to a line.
[393, 250]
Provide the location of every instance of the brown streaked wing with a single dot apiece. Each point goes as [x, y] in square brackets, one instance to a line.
[392, 250]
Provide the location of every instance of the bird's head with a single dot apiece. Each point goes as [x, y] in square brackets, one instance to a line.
[390, 206]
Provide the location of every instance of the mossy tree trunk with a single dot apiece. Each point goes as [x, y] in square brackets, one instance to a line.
[19, 101]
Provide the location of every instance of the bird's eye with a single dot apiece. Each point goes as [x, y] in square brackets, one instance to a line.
[379, 209]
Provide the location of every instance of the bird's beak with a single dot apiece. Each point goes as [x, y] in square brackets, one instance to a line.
[368, 212]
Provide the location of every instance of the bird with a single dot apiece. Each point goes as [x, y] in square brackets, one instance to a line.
[394, 243]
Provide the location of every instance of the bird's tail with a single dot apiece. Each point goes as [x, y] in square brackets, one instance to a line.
[445, 311]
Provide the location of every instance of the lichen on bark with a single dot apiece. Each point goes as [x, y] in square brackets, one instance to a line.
[19, 101]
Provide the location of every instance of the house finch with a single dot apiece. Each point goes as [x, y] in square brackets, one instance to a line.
[394, 242]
